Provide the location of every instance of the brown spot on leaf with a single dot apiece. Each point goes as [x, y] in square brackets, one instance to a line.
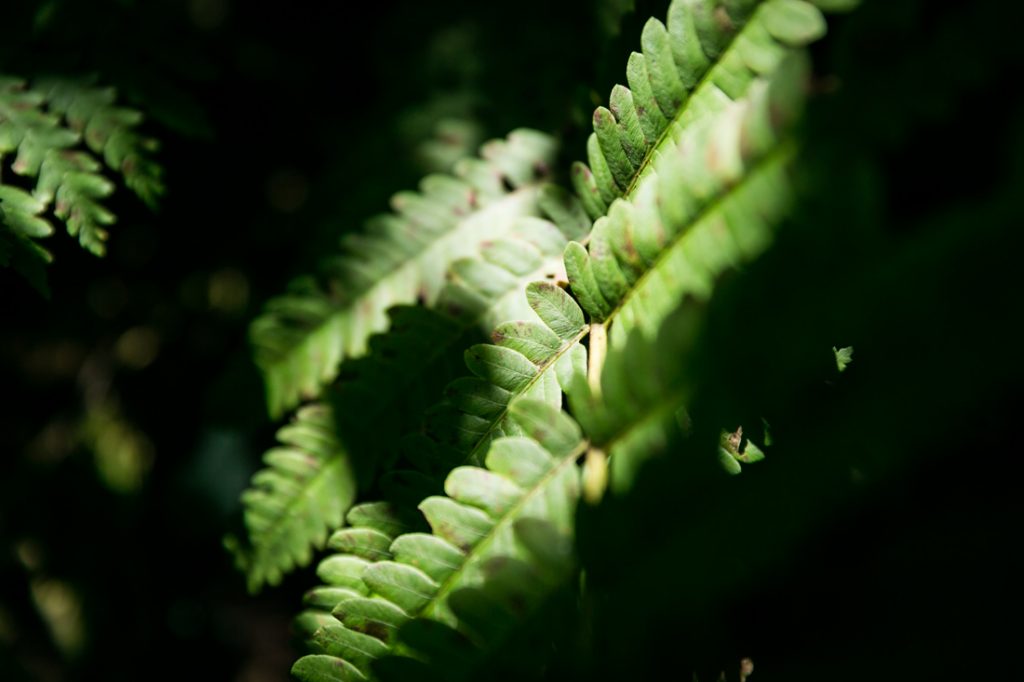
[629, 247]
[711, 158]
[375, 629]
[723, 20]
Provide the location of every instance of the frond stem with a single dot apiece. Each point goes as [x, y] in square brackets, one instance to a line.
[595, 358]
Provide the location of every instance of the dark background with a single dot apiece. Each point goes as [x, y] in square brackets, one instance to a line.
[284, 125]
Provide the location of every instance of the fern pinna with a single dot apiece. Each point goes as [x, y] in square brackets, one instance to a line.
[471, 536]
[46, 124]
[303, 336]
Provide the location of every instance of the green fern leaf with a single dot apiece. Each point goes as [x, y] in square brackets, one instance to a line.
[602, 282]
[397, 377]
[293, 503]
[22, 214]
[476, 410]
[706, 55]
[844, 356]
[372, 527]
[709, 202]
[636, 270]
[43, 125]
[302, 337]
[641, 407]
[528, 359]
[406, 368]
[694, 205]
[645, 386]
[109, 131]
[323, 668]
[490, 541]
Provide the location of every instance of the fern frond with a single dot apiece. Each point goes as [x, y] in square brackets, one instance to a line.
[109, 131]
[294, 502]
[371, 528]
[500, 537]
[537, 360]
[638, 268]
[527, 359]
[406, 368]
[400, 373]
[640, 404]
[604, 286]
[21, 213]
[703, 197]
[689, 69]
[533, 360]
[302, 337]
[476, 412]
[44, 125]
[709, 202]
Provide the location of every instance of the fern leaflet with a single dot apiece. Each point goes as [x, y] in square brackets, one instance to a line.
[302, 337]
[476, 409]
[708, 204]
[109, 131]
[495, 541]
[402, 367]
[44, 125]
[689, 68]
[399, 371]
[293, 503]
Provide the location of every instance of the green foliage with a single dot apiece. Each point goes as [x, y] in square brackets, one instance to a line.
[691, 171]
[302, 337]
[500, 540]
[530, 362]
[844, 356]
[706, 55]
[302, 494]
[544, 419]
[481, 290]
[45, 126]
